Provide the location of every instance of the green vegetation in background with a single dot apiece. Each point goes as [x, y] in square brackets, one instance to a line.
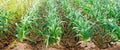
[104, 11]
[15, 7]
[10, 13]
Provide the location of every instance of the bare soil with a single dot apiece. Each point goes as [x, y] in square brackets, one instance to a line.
[89, 46]
[12, 43]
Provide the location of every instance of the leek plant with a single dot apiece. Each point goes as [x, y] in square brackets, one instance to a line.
[28, 22]
[80, 23]
[4, 21]
[52, 29]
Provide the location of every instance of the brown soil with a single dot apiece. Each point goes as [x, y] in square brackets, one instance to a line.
[5, 40]
[90, 46]
[11, 43]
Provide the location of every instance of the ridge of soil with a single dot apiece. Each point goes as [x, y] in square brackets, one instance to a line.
[12, 43]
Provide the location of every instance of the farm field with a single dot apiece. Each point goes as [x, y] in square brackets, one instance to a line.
[59, 24]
